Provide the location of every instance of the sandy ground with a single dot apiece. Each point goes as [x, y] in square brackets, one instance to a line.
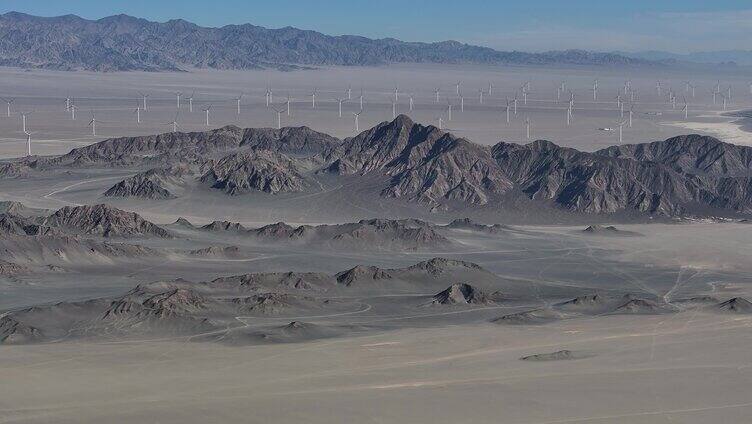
[687, 368]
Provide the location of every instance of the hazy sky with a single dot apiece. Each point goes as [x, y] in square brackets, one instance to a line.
[674, 25]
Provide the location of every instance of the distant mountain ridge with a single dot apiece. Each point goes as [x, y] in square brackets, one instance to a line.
[684, 176]
[126, 43]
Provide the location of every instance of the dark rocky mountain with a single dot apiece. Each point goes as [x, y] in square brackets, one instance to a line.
[262, 170]
[683, 176]
[172, 148]
[424, 164]
[104, 220]
[155, 183]
[461, 293]
[694, 154]
[123, 43]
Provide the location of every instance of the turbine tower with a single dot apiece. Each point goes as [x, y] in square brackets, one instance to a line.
[144, 96]
[527, 128]
[279, 116]
[9, 101]
[177, 96]
[23, 119]
[93, 123]
[137, 111]
[356, 116]
[313, 99]
[28, 143]
[237, 99]
[174, 123]
[206, 110]
[190, 102]
[340, 101]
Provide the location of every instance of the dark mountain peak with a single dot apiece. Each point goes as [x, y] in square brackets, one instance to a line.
[104, 220]
[461, 293]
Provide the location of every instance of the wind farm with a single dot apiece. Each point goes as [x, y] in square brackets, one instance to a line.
[361, 229]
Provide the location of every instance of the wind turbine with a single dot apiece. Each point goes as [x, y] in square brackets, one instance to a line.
[449, 109]
[93, 123]
[462, 103]
[279, 116]
[361, 98]
[458, 88]
[190, 102]
[411, 103]
[23, 119]
[174, 122]
[138, 113]
[28, 143]
[595, 90]
[569, 114]
[144, 96]
[9, 101]
[237, 99]
[490, 88]
[480, 93]
[73, 108]
[268, 96]
[288, 104]
[340, 101]
[437, 95]
[515, 104]
[396, 94]
[177, 95]
[621, 125]
[67, 104]
[508, 103]
[349, 93]
[441, 122]
[394, 109]
[207, 109]
[356, 116]
[313, 99]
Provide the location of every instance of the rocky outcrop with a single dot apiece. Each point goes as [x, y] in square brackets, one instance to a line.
[104, 220]
[153, 184]
[262, 171]
[461, 293]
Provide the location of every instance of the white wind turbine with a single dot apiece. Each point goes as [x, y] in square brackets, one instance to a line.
[411, 103]
[458, 88]
[174, 122]
[339, 102]
[137, 111]
[67, 103]
[23, 119]
[28, 143]
[462, 102]
[480, 94]
[449, 110]
[437, 95]
[569, 114]
[288, 105]
[144, 96]
[190, 102]
[396, 94]
[515, 104]
[313, 99]
[8, 102]
[268, 96]
[595, 90]
[621, 126]
[206, 110]
[73, 108]
[361, 98]
[631, 112]
[237, 100]
[394, 109]
[93, 123]
[357, 116]
[279, 113]
[490, 88]
[177, 96]
[349, 92]
[508, 103]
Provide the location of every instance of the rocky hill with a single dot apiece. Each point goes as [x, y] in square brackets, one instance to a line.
[123, 43]
[104, 220]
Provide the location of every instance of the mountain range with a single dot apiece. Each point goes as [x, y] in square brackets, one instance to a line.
[126, 43]
[409, 162]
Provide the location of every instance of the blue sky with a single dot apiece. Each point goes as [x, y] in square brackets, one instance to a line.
[535, 25]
